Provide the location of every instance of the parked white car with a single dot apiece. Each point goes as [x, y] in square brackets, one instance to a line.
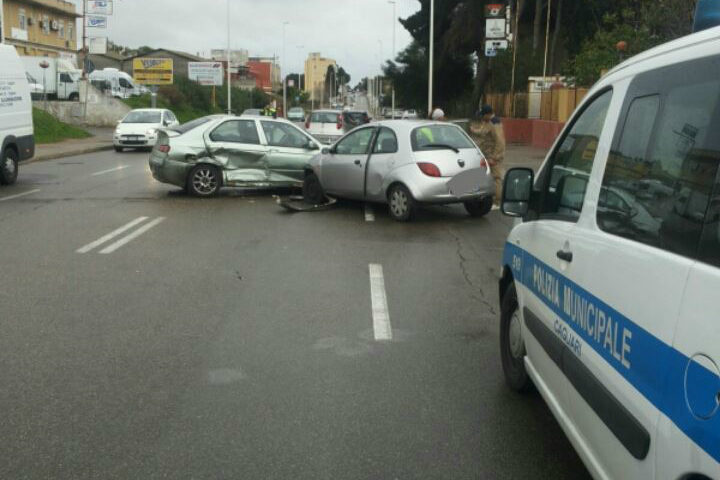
[325, 125]
[17, 140]
[139, 128]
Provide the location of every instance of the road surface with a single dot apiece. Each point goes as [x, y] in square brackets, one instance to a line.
[147, 334]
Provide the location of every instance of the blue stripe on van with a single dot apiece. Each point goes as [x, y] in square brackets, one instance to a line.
[651, 366]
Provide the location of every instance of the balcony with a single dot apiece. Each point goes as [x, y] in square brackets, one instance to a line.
[56, 6]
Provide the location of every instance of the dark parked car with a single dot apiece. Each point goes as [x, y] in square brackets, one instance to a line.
[354, 118]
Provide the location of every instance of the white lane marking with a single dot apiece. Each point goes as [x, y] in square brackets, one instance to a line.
[369, 214]
[110, 235]
[129, 238]
[381, 317]
[10, 197]
[109, 170]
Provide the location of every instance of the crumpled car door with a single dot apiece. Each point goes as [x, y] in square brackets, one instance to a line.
[242, 163]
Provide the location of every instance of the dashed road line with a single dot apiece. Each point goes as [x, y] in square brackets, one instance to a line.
[10, 197]
[109, 170]
[369, 214]
[111, 235]
[127, 239]
[381, 316]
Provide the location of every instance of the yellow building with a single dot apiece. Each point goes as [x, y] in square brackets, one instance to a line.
[40, 27]
[315, 69]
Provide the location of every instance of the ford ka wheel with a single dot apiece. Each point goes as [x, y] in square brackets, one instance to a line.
[8, 167]
[401, 203]
[204, 181]
[512, 345]
[312, 190]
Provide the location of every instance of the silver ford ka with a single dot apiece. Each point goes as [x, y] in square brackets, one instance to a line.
[215, 151]
[405, 164]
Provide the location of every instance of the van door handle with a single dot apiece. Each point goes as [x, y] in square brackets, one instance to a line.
[564, 255]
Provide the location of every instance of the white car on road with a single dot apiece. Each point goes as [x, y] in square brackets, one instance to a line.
[139, 128]
[325, 125]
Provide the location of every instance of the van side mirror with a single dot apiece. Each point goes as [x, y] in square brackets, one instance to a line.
[517, 189]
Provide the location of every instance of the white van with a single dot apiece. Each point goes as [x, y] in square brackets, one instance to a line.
[118, 83]
[609, 281]
[17, 141]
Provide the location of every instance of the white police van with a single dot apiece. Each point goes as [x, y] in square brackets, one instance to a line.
[609, 281]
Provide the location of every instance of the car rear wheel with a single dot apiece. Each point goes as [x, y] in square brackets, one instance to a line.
[512, 345]
[204, 181]
[8, 167]
[312, 190]
[401, 203]
[119, 149]
[479, 208]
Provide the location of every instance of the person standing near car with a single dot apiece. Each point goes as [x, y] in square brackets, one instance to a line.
[488, 135]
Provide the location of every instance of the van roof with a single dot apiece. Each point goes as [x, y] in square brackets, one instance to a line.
[688, 41]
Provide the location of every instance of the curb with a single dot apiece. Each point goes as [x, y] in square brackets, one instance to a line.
[69, 153]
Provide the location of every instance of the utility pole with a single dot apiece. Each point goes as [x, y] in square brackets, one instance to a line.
[2, 32]
[431, 54]
[515, 44]
[547, 37]
[393, 56]
[229, 105]
[282, 74]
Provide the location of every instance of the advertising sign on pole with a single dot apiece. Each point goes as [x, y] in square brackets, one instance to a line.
[94, 21]
[494, 10]
[153, 71]
[100, 7]
[97, 45]
[495, 28]
[492, 46]
[206, 73]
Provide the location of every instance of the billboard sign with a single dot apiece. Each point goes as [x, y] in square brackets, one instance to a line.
[93, 21]
[153, 71]
[492, 46]
[206, 73]
[495, 28]
[97, 45]
[100, 7]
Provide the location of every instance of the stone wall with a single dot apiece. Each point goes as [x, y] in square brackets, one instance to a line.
[101, 110]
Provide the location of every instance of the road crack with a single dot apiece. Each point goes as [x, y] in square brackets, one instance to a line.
[462, 263]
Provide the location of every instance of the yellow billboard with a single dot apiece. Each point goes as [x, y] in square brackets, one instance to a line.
[153, 71]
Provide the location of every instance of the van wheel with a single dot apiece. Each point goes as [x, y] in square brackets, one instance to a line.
[204, 181]
[512, 346]
[8, 167]
[479, 208]
[312, 190]
[401, 203]
[74, 97]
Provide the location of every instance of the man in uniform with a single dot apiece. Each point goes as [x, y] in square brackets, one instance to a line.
[488, 134]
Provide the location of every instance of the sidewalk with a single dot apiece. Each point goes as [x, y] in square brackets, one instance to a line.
[101, 140]
[524, 156]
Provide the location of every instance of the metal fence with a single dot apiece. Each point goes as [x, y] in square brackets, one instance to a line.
[556, 104]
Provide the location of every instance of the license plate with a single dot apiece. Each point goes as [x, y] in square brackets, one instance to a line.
[467, 182]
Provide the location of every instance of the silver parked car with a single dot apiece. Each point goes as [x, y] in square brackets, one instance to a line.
[404, 164]
[215, 151]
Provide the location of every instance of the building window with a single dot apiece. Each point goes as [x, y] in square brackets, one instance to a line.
[70, 32]
[61, 29]
[46, 24]
[22, 19]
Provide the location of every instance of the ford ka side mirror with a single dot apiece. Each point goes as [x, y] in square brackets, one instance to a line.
[517, 189]
[312, 145]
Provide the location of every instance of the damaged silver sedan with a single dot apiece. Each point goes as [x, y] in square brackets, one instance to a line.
[212, 152]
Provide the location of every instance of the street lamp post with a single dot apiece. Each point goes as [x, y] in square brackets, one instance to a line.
[229, 105]
[393, 56]
[431, 54]
[283, 64]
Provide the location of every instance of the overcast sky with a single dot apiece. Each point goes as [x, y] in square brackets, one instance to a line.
[350, 31]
